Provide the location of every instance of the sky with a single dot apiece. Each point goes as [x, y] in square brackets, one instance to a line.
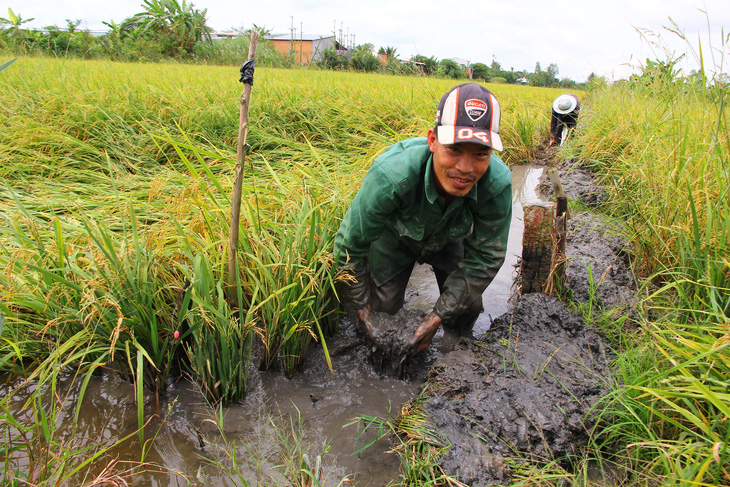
[611, 38]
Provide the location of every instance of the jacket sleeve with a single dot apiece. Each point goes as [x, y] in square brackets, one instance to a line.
[363, 223]
[484, 253]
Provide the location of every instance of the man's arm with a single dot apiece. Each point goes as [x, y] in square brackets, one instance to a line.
[553, 127]
[363, 223]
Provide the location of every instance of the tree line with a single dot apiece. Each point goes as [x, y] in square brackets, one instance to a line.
[170, 29]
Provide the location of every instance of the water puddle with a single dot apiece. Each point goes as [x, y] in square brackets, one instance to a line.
[311, 413]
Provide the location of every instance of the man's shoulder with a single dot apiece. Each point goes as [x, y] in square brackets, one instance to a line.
[415, 148]
[499, 176]
[404, 160]
[501, 170]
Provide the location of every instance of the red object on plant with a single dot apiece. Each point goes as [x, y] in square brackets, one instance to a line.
[176, 334]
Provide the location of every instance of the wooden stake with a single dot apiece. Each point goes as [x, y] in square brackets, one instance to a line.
[559, 259]
[232, 280]
[537, 247]
[543, 264]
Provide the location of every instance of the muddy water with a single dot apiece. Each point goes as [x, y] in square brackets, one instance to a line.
[314, 410]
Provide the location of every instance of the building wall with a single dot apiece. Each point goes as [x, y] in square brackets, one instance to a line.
[304, 51]
[321, 45]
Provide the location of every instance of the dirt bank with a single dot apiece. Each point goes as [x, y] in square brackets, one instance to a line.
[599, 265]
[524, 390]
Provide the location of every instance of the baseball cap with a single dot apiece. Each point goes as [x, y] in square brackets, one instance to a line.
[565, 103]
[469, 113]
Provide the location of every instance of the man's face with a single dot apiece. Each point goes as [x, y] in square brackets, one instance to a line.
[457, 167]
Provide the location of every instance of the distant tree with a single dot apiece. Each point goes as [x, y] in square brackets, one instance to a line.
[367, 47]
[388, 51]
[567, 83]
[430, 63]
[15, 21]
[480, 71]
[14, 36]
[176, 25]
[331, 59]
[363, 59]
[553, 71]
[451, 69]
[544, 78]
[509, 76]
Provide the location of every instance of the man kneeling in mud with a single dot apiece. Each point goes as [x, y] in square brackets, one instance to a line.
[444, 200]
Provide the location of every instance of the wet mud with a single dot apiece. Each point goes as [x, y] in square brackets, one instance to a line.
[523, 391]
[391, 336]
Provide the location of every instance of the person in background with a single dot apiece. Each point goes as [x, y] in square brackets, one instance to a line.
[564, 117]
[445, 200]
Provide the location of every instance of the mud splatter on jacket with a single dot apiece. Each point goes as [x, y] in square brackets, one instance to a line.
[397, 217]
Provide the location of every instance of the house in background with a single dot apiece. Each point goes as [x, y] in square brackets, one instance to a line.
[223, 35]
[464, 63]
[304, 48]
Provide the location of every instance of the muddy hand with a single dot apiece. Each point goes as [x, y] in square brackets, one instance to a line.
[363, 317]
[424, 334]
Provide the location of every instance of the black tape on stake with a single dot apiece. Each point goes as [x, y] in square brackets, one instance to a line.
[247, 72]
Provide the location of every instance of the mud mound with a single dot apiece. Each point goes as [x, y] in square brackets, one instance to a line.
[543, 155]
[523, 391]
[579, 183]
[599, 262]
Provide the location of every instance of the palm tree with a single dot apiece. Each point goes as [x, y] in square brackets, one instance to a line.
[387, 53]
[179, 22]
[14, 20]
[430, 64]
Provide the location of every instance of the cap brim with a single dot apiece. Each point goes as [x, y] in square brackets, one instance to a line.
[457, 135]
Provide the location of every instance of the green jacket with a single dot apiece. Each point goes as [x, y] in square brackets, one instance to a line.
[397, 218]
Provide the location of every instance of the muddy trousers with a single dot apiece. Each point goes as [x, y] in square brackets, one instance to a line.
[389, 296]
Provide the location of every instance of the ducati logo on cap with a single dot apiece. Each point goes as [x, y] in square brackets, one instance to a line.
[475, 109]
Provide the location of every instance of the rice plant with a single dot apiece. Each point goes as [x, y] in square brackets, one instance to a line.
[290, 278]
[418, 446]
[669, 419]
